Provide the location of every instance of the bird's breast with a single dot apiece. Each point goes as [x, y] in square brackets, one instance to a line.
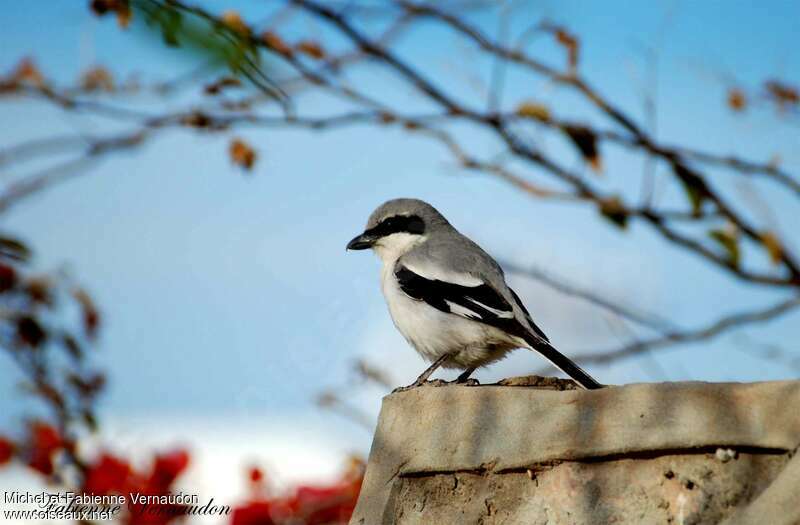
[434, 333]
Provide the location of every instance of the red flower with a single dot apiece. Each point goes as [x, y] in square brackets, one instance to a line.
[253, 513]
[309, 505]
[110, 475]
[334, 504]
[44, 441]
[256, 475]
[166, 468]
[6, 450]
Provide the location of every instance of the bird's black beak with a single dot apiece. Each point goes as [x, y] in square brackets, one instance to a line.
[361, 242]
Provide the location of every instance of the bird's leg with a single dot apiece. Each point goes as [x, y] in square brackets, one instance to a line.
[464, 379]
[424, 375]
[431, 369]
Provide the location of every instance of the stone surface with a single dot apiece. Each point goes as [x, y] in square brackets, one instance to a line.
[673, 488]
[687, 453]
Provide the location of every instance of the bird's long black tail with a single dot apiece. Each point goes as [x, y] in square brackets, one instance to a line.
[563, 362]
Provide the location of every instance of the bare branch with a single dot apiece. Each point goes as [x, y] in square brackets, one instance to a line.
[720, 326]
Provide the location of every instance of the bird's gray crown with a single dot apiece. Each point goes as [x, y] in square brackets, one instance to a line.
[406, 208]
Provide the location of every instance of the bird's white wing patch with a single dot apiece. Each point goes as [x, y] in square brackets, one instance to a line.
[508, 314]
[433, 272]
[462, 311]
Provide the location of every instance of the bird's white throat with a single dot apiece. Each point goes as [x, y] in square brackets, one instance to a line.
[392, 247]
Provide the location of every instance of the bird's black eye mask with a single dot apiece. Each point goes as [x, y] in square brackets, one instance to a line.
[398, 224]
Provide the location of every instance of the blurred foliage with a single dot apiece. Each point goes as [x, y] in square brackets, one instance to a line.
[224, 41]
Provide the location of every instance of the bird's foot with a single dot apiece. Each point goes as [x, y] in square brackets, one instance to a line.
[415, 384]
[436, 382]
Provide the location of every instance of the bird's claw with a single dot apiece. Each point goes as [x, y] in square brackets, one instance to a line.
[415, 384]
[435, 382]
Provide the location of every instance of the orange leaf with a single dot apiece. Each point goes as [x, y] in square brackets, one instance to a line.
[26, 73]
[97, 79]
[276, 43]
[221, 84]
[124, 15]
[773, 246]
[570, 43]
[233, 20]
[533, 110]
[736, 99]
[242, 154]
[311, 48]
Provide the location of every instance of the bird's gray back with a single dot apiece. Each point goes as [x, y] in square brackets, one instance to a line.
[448, 249]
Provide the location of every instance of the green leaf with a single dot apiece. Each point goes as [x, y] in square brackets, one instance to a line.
[171, 26]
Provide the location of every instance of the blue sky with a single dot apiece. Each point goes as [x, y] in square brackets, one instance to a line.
[229, 298]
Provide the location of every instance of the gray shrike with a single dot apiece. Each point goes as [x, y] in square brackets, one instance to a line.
[447, 296]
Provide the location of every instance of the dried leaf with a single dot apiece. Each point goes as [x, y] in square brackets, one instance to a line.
[737, 100]
[221, 84]
[14, 249]
[311, 48]
[568, 41]
[242, 154]
[25, 73]
[276, 43]
[729, 240]
[124, 15]
[773, 246]
[30, 332]
[614, 210]
[72, 347]
[197, 119]
[586, 142]
[39, 289]
[8, 277]
[122, 9]
[233, 20]
[89, 385]
[101, 7]
[91, 316]
[782, 94]
[386, 118]
[534, 110]
[97, 79]
[695, 186]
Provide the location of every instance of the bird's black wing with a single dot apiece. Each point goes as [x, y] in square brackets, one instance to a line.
[480, 303]
[484, 304]
[535, 328]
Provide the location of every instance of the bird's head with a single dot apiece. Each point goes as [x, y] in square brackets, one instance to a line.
[396, 226]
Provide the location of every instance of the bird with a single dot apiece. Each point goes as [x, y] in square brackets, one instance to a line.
[448, 297]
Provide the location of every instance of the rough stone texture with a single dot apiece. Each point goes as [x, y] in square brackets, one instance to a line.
[684, 453]
[691, 489]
